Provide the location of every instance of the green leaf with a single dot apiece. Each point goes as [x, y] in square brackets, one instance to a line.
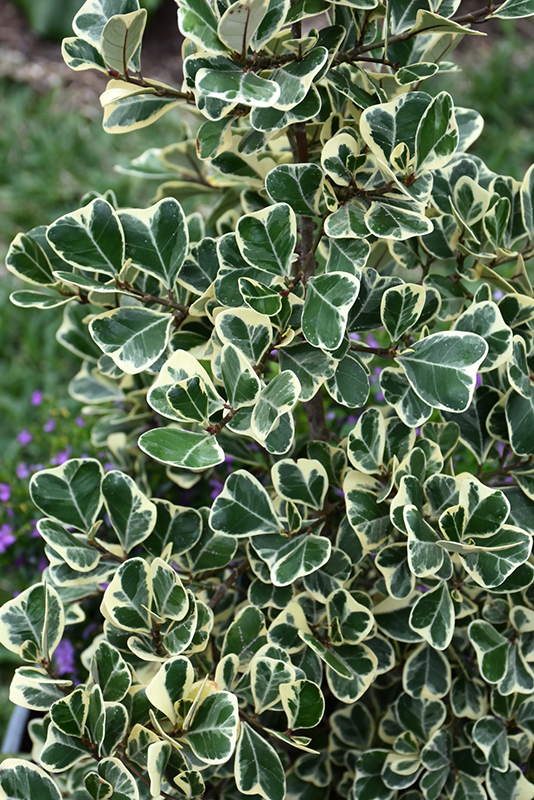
[120, 39]
[260, 298]
[200, 268]
[133, 110]
[276, 399]
[303, 703]
[110, 672]
[369, 518]
[132, 515]
[432, 616]
[473, 422]
[329, 299]
[294, 79]
[189, 400]
[420, 717]
[243, 508]
[512, 784]
[70, 493]
[118, 776]
[70, 713]
[258, 769]
[237, 87]
[20, 780]
[400, 308]
[349, 385]
[520, 419]
[514, 9]
[32, 687]
[489, 734]
[245, 636]
[127, 599]
[73, 549]
[267, 238]
[413, 73]
[156, 239]
[212, 733]
[426, 674]
[27, 260]
[362, 663]
[300, 556]
[366, 442]
[485, 320]
[298, 185]
[353, 620]
[181, 366]
[442, 368]
[172, 683]
[304, 481]
[247, 330]
[241, 383]
[90, 238]
[468, 788]
[266, 675]
[31, 299]
[391, 220]
[347, 255]
[79, 54]
[311, 366]
[392, 561]
[181, 448]
[491, 649]
[92, 17]
[240, 22]
[347, 222]
[468, 697]
[133, 337]
[60, 752]
[436, 138]
[199, 22]
[425, 556]
[495, 558]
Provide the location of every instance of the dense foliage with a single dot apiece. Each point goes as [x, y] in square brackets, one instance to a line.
[310, 573]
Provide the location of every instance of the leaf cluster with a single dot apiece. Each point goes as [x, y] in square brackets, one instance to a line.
[353, 615]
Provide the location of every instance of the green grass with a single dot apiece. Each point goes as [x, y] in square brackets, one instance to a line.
[52, 154]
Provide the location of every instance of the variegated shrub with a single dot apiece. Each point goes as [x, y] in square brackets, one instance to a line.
[353, 614]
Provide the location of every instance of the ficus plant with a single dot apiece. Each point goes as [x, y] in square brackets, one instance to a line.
[310, 574]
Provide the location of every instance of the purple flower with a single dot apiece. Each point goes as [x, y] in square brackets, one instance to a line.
[64, 657]
[43, 563]
[216, 487]
[37, 398]
[478, 381]
[35, 533]
[6, 537]
[80, 422]
[36, 467]
[22, 471]
[497, 294]
[24, 437]
[49, 425]
[62, 456]
[5, 492]
[330, 415]
[355, 337]
[370, 341]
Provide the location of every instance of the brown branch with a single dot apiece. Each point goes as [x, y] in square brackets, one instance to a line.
[317, 426]
[382, 352]
[168, 302]
[225, 585]
[475, 17]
